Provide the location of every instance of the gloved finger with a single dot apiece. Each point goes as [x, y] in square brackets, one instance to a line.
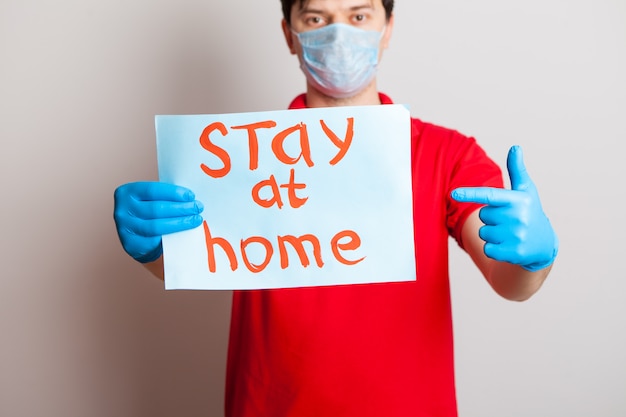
[159, 227]
[516, 252]
[520, 179]
[491, 234]
[482, 195]
[489, 215]
[147, 249]
[509, 214]
[149, 210]
[501, 252]
[153, 191]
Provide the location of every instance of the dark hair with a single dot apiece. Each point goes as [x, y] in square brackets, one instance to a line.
[288, 4]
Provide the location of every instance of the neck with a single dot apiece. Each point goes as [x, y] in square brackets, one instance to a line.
[367, 96]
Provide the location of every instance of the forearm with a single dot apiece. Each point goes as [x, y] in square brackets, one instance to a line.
[514, 282]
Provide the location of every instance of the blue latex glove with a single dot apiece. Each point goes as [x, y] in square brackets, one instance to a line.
[144, 211]
[516, 230]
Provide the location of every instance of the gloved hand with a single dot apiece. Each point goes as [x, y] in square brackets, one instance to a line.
[144, 211]
[516, 230]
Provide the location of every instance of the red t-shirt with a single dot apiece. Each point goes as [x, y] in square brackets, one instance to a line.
[364, 350]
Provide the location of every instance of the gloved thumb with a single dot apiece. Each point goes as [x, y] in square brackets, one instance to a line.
[520, 180]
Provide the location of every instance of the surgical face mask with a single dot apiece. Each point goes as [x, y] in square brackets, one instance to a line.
[338, 59]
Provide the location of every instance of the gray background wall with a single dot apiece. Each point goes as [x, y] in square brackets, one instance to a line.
[85, 331]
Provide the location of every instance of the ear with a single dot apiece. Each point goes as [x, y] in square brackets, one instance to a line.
[288, 36]
[387, 35]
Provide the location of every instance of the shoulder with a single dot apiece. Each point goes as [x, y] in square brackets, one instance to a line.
[434, 131]
[432, 137]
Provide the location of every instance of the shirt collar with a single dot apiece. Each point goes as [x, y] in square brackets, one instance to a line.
[300, 101]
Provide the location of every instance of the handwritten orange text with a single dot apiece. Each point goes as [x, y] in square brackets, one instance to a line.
[300, 131]
[345, 240]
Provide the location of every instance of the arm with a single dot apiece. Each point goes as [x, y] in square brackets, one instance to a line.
[510, 239]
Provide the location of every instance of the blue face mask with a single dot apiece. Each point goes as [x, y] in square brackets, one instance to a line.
[338, 59]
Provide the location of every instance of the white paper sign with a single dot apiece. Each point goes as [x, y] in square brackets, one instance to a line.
[292, 198]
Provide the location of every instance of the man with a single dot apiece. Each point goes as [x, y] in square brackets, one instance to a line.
[377, 349]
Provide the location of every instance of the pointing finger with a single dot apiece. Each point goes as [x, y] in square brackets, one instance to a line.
[482, 195]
